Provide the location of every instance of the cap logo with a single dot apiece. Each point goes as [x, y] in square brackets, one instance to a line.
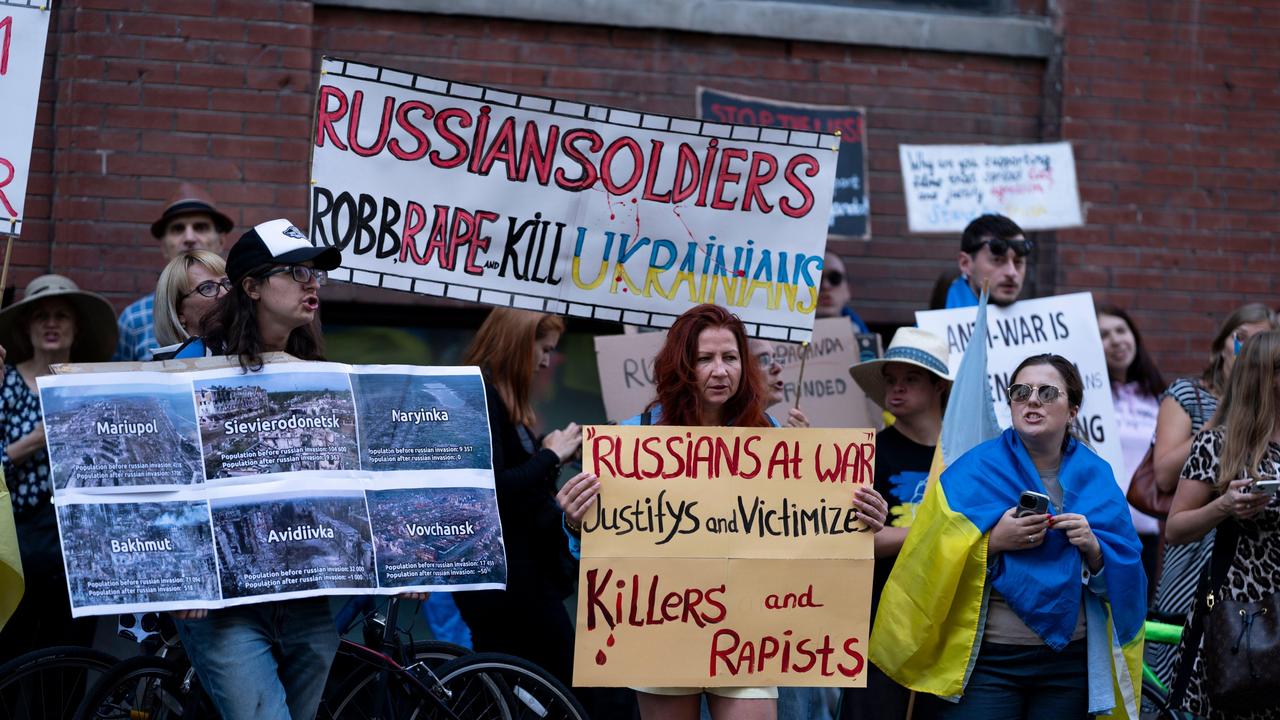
[293, 232]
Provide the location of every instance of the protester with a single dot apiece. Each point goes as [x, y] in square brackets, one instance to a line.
[267, 661]
[189, 222]
[1049, 600]
[1136, 386]
[55, 322]
[189, 288]
[911, 381]
[833, 293]
[528, 618]
[994, 251]
[702, 378]
[1185, 409]
[762, 352]
[1217, 491]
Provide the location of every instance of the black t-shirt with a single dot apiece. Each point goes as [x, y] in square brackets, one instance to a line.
[902, 467]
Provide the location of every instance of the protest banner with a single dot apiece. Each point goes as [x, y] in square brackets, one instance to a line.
[23, 29]
[1062, 324]
[947, 186]
[213, 488]
[828, 396]
[490, 196]
[850, 207]
[738, 546]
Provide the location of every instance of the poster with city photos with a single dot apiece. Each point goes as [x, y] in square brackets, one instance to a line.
[126, 553]
[291, 542]
[106, 435]
[274, 422]
[412, 421]
[438, 536]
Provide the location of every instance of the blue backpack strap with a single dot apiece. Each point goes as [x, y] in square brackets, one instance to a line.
[773, 422]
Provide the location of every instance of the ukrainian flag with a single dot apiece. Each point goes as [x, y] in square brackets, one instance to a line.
[11, 579]
[926, 630]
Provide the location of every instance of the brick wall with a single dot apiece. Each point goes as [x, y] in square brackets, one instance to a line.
[1172, 107]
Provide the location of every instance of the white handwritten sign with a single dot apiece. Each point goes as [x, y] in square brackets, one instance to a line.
[23, 29]
[1063, 324]
[947, 186]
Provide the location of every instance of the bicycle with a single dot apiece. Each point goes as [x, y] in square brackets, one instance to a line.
[47, 684]
[1155, 694]
[385, 678]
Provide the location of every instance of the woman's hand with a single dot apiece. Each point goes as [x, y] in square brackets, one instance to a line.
[1017, 533]
[577, 496]
[198, 614]
[564, 442]
[413, 595]
[871, 506]
[23, 448]
[1079, 533]
[1239, 503]
[796, 419]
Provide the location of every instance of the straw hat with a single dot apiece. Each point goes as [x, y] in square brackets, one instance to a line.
[911, 346]
[96, 329]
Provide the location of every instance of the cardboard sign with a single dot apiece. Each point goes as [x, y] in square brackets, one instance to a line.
[1063, 324]
[489, 196]
[724, 556]
[850, 207]
[829, 397]
[23, 29]
[947, 186]
[215, 488]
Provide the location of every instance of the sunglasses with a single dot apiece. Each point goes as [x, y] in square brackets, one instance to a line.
[300, 273]
[209, 288]
[1021, 392]
[833, 277]
[1000, 246]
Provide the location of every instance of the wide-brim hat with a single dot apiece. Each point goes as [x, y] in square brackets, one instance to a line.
[277, 242]
[188, 200]
[911, 346]
[96, 330]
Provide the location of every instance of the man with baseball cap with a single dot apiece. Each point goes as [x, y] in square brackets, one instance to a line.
[911, 381]
[190, 221]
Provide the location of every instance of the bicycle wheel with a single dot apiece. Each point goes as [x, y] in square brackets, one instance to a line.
[494, 686]
[48, 684]
[147, 687]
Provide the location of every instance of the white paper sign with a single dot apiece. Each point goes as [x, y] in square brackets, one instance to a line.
[1063, 324]
[23, 29]
[947, 186]
[489, 196]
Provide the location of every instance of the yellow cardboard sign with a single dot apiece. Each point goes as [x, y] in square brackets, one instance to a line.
[725, 557]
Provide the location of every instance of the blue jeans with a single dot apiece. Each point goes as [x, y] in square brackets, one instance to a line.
[264, 662]
[1032, 682]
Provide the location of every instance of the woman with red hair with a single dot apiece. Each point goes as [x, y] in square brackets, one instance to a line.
[704, 376]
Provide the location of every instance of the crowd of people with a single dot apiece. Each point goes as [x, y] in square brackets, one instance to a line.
[1014, 611]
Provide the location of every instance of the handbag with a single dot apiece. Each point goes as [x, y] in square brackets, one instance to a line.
[1144, 493]
[1241, 647]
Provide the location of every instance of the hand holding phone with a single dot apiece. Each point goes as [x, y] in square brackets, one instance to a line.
[1265, 486]
[1032, 503]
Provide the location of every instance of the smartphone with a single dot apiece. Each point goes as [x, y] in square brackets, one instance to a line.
[1266, 486]
[1032, 503]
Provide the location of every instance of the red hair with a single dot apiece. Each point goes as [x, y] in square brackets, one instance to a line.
[503, 346]
[676, 376]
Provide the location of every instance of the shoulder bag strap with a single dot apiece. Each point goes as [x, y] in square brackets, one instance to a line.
[1213, 579]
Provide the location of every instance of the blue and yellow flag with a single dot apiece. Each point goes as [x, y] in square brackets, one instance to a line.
[12, 583]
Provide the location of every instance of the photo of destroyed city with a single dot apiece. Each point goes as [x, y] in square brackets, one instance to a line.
[118, 553]
[437, 536]
[422, 422]
[101, 436]
[301, 540]
[276, 422]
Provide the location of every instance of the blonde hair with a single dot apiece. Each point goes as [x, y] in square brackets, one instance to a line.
[1247, 414]
[175, 282]
[503, 346]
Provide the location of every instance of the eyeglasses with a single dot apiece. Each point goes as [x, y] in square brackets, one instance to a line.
[766, 360]
[1000, 246]
[1021, 392]
[300, 273]
[833, 277]
[209, 288]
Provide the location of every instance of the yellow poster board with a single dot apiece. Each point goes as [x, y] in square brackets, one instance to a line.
[725, 557]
